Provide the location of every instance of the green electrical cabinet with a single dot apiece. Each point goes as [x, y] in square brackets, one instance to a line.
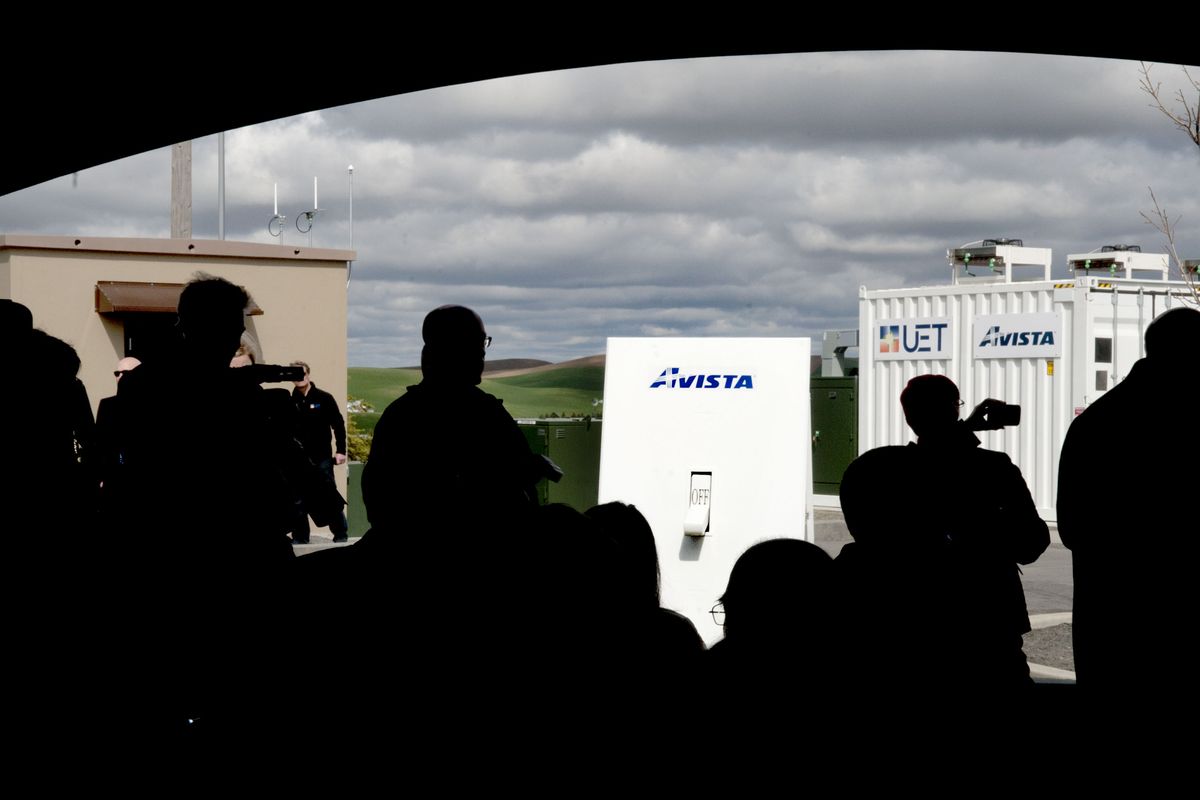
[574, 445]
[834, 430]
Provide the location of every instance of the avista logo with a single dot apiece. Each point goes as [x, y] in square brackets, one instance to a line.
[994, 338]
[670, 378]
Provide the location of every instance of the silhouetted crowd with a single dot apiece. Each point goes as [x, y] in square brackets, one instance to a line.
[169, 601]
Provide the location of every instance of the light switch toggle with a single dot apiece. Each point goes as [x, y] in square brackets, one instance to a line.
[696, 520]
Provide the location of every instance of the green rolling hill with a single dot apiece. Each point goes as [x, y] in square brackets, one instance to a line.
[567, 390]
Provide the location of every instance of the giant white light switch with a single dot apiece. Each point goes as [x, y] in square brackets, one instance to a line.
[709, 438]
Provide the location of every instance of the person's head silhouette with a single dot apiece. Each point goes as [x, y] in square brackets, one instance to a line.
[931, 404]
[16, 324]
[638, 556]
[1173, 336]
[455, 341]
[212, 318]
[775, 588]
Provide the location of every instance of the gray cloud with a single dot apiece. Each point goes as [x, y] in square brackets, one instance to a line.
[736, 196]
[806, 100]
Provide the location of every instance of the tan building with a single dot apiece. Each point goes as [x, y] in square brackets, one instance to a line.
[114, 297]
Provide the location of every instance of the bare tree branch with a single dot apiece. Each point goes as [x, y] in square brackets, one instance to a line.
[1161, 221]
[1188, 120]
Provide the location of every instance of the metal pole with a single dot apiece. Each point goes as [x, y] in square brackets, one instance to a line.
[1115, 348]
[350, 264]
[1141, 323]
[181, 190]
[221, 185]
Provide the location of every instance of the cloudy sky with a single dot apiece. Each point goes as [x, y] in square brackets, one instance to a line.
[712, 197]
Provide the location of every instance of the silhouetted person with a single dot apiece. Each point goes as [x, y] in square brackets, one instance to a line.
[441, 577]
[61, 399]
[46, 498]
[16, 339]
[204, 516]
[445, 441]
[48, 428]
[1127, 512]
[660, 642]
[105, 459]
[567, 578]
[777, 619]
[939, 526]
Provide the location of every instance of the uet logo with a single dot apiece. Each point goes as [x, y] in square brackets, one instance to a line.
[922, 337]
[994, 338]
[671, 378]
[889, 338]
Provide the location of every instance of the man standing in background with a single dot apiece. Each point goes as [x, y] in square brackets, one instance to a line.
[106, 455]
[317, 413]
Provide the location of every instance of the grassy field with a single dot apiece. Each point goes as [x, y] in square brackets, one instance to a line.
[564, 391]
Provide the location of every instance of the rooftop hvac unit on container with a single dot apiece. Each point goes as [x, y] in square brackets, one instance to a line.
[1004, 328]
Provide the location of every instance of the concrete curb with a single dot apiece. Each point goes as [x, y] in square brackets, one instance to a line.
[1040, 621]
[316, 543]
[1051, 673]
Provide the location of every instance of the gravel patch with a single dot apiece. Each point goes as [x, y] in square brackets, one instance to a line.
[1051, 647]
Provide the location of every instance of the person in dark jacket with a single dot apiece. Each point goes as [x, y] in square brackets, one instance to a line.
[1126, 512]
[105, 458]
[446, 442]
[316, 414]
[198, 565]
[649, 633]
[447, 581]
[939, 529]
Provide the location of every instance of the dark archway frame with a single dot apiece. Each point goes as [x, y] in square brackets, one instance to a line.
[90, 91]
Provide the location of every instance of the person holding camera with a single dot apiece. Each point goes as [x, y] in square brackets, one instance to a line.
[196, 565]
[316, 415]
[939, 529]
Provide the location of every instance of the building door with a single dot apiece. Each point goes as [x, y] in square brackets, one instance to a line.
[150, 336]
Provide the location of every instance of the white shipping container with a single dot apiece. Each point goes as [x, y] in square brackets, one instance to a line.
[1052, 347]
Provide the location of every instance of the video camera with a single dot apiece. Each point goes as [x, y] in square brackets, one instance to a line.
[270, 373]
[992, 415]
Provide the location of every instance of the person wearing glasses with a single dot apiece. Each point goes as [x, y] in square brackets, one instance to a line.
[445, 443]
[775, 614]
[449, 491]
[940, 527]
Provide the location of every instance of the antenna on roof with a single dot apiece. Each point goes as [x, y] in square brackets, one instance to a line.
[276, 224]
[309, 217]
